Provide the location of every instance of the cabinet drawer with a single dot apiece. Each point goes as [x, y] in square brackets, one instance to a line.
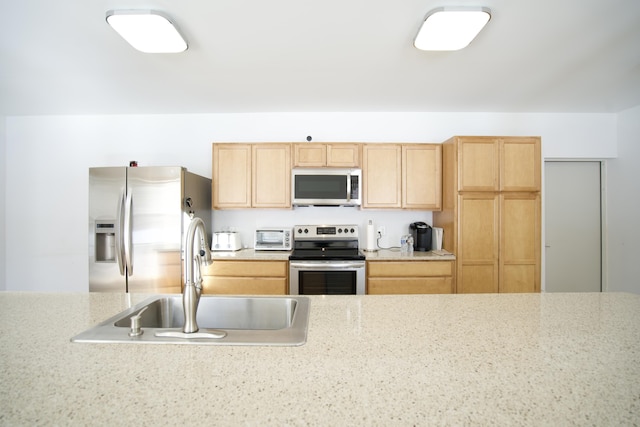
[247, 268]
[244, 285]
[414, 285]
[409, 269]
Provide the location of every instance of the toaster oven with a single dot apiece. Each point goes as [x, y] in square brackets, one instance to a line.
[273, 239]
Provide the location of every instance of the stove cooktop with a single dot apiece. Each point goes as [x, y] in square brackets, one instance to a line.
[326, 242]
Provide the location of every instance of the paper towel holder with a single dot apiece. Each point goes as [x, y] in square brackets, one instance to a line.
[371, 245]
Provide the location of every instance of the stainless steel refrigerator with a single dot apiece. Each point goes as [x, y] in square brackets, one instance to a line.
[137, 219]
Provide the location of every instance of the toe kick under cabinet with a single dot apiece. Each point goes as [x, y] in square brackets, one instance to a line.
[246, 278]
[410, 277]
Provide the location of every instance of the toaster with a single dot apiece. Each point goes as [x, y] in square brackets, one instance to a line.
[226, 241]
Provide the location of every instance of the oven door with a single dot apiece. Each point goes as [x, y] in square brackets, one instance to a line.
[326, 277]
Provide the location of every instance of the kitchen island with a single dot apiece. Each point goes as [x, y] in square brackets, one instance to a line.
[503, 359]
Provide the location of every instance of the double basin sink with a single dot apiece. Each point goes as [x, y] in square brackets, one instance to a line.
[265, 321]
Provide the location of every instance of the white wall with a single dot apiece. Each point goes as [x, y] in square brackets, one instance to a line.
[3, 186]
[623, 207]
[47, 160]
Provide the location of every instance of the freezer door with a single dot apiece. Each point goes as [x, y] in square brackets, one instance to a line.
[106, 193]
[155, 203]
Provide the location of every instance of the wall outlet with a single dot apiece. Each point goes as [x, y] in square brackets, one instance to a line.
[382, 230]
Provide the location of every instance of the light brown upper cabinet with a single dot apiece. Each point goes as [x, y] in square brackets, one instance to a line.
[422, 176]
[491, 212]
[405, 176]
[271, 176]
[382, 175]
[251, 176]
[329, 155]
[231, 180]
[499, 164]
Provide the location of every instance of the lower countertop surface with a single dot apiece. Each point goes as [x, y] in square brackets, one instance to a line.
[378, 255]
[499, 359]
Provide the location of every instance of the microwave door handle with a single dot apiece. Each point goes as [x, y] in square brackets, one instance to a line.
[349, 187]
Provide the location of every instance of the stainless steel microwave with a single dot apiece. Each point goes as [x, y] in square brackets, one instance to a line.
[326, 187]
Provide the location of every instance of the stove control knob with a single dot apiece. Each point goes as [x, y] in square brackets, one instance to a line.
[339, 230]
[353, 230]
[306, 230]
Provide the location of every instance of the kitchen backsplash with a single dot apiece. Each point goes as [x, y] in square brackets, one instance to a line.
[245, 221]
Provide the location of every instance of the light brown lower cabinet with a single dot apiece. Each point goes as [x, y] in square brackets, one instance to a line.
[410, 277]
[246, 278]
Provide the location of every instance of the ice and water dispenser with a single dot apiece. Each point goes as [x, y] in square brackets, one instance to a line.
[105, 241]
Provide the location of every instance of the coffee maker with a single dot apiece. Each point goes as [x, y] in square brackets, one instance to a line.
[421, 232]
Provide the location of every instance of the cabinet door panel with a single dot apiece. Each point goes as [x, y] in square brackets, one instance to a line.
[520, 164]
[520, 242]
[477, 278]
[409, 268]
[478, 225]
[478, 247]
[310, 155]
[231, 183]
[479, 164]
[413, 285]
[244, 285]
[271, 176]
[382, 178]
[247, 268]
[343, 155]
[422, 176]
[519, 278]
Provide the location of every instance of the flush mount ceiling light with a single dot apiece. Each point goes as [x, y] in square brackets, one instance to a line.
[447, 28]
[148, 31]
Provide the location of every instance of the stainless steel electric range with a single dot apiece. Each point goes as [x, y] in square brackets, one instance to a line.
[326, 260]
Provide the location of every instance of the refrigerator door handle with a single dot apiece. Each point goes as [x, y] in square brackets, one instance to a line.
[119, 233]
[128, 234]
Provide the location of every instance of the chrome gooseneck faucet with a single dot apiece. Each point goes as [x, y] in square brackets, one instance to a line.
[193, 277]
[196, 253]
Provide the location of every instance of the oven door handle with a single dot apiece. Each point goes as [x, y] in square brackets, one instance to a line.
[342, 265]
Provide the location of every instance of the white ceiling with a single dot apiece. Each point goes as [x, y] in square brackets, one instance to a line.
[61, 57]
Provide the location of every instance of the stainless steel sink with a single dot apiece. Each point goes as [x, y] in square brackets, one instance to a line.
[245, 320]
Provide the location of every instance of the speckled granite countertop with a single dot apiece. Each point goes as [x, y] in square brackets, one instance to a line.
[531, 359]
[396, 255]
[252, 255]
[380, 255]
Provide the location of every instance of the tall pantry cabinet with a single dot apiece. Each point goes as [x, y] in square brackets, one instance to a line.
[491, 212]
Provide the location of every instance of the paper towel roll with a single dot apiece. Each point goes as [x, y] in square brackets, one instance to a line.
[436, 239]
[371, 237]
